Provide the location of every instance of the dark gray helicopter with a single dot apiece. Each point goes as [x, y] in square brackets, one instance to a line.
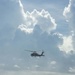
[35, 54]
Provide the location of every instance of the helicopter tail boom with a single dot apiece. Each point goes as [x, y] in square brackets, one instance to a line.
[42, 53]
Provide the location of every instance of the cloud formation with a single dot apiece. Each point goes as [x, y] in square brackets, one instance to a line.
[67, 45]
[72, 70]
[42, 18]
[32, 73]
[69, 15]
[67, 9]
[36, 30]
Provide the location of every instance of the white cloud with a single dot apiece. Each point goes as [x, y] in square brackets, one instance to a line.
[69, 13]
[2, 65]
[41, 18]
[53, 62]
[16, 66]
[48, 42]
[67, 45]
[23, 27]
[67, 10]
[22, 9]
[72, 70]
[52, 65]
[31, 73]
[37, 66]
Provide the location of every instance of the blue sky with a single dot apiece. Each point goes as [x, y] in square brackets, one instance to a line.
[37, 25]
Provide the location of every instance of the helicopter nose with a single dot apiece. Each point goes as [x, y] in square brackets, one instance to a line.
[32, 54]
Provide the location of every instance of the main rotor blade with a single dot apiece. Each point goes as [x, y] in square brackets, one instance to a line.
[34, 51]
[30, 51]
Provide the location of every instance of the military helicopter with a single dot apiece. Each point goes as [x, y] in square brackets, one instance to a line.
[35, 54]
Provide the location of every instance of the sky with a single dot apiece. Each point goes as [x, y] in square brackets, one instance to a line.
[43, 25]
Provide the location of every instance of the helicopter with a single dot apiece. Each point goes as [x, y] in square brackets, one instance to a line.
[35, 54]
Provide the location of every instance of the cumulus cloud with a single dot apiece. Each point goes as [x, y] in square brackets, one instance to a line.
[70, 16]
[69, 13]
[67, 45]
[23, 27]
[16, 66]
[22, 9]
[72, 70]
[35, 22]
[53, 62]
[67, 9]
[67, 42]
[52, 65]
[42, 18]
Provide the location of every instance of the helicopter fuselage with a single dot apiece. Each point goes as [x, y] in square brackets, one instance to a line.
[36, 54]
